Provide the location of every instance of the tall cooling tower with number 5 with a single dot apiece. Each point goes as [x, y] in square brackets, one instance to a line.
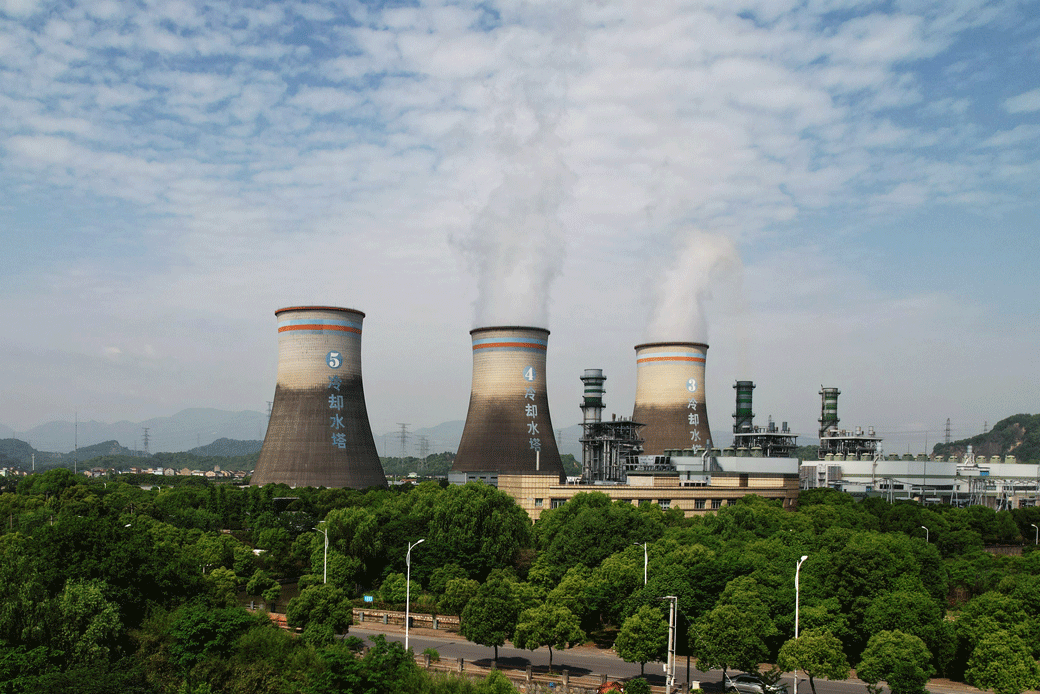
[319, 434]
[508, 429]
[670, 396]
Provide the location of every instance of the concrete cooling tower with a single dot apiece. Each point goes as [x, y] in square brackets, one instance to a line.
[319, 434]
[670, 396]
[508, 429]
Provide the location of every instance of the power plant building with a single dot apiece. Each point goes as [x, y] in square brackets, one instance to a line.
[508, 428]
[676, 467]
[319, 433]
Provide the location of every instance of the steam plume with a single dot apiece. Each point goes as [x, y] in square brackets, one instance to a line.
[517, 241]
[679, 307]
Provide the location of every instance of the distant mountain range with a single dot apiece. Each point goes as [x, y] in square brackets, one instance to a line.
[208, 431]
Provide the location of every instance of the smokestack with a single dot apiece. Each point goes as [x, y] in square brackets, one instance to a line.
[670, 396]
[508, 428]
[743, 418]
[592, 402]
[828, 410]
[319, 433]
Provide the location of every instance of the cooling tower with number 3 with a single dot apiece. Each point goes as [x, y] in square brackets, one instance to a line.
[508, 429]
[670, 396]
[319, 433]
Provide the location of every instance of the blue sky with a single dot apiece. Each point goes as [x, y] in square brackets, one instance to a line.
[830, 193]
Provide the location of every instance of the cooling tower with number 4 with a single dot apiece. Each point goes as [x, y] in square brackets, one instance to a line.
[319, 433]
[508, 429]
[670, 396]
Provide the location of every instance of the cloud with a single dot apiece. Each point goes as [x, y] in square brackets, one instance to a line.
[1026, 102]
[246, 157]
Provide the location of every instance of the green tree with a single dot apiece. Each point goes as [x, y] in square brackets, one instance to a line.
[900, 659]
[457, 594]
[263, 585]
[322, 611]
[490, 616]
[1002, 662]
[393, 590]
[818, 653]
[199, 631]
[548, 625]
[728, 637]
[223, 585]
[88, 625]
[643, 637]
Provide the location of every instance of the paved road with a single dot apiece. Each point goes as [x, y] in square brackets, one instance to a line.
[589, 660]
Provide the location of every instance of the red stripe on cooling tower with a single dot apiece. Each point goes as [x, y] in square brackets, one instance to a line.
[696, 359]
[320, 326]
[528, 345]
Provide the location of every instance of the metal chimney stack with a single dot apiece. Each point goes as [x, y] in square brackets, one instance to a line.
[670, 396]
[508, 429]
[828, 410]
[743, 418]
[319, 433]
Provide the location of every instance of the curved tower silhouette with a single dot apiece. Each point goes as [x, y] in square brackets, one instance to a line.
[670, 396]
[508, 428]
[319, 433]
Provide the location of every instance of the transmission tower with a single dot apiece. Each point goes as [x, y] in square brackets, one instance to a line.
[424, 450]
[403, 436]
[947, 440]
[145, 437]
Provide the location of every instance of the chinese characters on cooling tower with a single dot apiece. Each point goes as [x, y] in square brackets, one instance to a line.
[508, 428]
[319, 434]
[670, 396]
[531, 412]
[339, 439]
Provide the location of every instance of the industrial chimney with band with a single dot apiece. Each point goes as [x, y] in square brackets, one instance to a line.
[319, 433]
[670, 397]
[508, 429]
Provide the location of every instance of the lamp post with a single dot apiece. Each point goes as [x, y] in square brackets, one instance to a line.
[797, 599]
[408, 589]
[925, 534]
[325, 532]
[1036, 537]
[669, 667]
[637, 544]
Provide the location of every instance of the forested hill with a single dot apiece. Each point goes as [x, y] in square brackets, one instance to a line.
[228, 448]
[1018, 435]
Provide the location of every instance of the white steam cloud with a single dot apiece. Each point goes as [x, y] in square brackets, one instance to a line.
[517, 242]
[680, 297]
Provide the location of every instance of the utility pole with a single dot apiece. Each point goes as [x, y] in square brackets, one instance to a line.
[75, 460]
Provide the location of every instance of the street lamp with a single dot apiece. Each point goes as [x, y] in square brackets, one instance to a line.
[797, 598]
[1037, 536]
[408, 589]
[637, 544]
[325, 532]
[669, 667]
[925, 534]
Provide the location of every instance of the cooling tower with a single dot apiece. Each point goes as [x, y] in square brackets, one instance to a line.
[670, 396]
[319, 434]
[508, 428]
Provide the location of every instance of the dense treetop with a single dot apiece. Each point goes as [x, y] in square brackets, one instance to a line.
[140, 589]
